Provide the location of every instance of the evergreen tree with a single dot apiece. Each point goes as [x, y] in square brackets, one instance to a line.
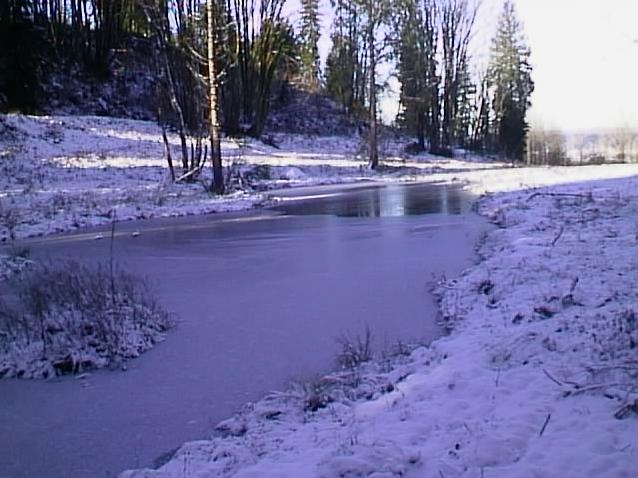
[411, 69]
[340, 72]
[510, 83]
[309, 37]
[466, 108]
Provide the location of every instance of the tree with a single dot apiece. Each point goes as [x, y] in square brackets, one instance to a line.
[510, 83]
[621, 142]
[480, 137]
[376, 14]
[18, 60]
[215, 144]
[309, 38]
[546, 146]
[415, 50]
[347, 60]
[358, 45]
[457, 22]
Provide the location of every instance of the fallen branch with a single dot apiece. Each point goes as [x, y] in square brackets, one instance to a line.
[191, 173]
[572, 195]
[589, 388]
[626, 410]
[549, 416]
[558, 236]
[557, 382]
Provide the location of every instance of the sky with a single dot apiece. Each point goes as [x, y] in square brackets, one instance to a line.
[584, 55]
[585, 59]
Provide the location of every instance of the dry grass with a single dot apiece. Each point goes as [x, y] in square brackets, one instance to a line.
[65, 318]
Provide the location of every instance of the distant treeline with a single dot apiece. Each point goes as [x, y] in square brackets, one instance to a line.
[553, 147]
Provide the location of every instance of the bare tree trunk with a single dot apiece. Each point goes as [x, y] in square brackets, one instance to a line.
[215, 143]
[159, 24]
[374, 153]
[167, 148]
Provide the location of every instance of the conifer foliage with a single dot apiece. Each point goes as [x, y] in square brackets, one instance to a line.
[309, 44]
[510, 85]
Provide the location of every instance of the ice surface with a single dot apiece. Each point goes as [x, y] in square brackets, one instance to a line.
[261, 299]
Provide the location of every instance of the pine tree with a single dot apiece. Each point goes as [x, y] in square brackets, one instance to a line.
[340, 72]
[466, 107]
[510, 83]
[309, 37]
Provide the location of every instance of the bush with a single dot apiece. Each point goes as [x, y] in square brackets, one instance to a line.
[67, 318]
[355, 351]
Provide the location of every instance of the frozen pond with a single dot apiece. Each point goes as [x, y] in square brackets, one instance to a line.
[260, 296]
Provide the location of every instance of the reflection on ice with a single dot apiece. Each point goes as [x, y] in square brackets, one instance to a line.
[390, 200]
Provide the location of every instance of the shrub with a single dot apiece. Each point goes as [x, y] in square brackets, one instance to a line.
[355, 351]
[67, 318]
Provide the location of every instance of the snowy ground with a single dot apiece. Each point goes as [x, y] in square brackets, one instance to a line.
[538, 378]
[64, 172]
[59, 173]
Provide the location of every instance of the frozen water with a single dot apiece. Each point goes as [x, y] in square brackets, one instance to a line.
[260, 297]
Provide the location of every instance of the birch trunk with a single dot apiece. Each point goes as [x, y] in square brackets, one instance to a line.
[215, 143]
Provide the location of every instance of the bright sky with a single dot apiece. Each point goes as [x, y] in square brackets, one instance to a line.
[585, 59]
[584, 54]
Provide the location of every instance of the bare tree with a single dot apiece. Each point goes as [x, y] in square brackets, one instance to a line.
[376, 14]
[546, 147]
[215, 144]
[374, 150]
[457, 23]
[621, 141]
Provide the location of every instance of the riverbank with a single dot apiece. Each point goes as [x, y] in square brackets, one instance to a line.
[538, 376]
[61, 173]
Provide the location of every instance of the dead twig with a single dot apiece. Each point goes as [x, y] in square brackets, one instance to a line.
[557, 382]
[572, 195]
[590, 388]
[549, 416]
[558, 236]
[192, 173]
[626, 410]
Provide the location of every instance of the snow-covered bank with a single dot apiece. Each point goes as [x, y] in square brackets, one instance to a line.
[60, 173]
[539, 376]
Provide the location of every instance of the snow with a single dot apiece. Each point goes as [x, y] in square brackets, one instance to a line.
[11, 264]
[537, 377]
[60, 173]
